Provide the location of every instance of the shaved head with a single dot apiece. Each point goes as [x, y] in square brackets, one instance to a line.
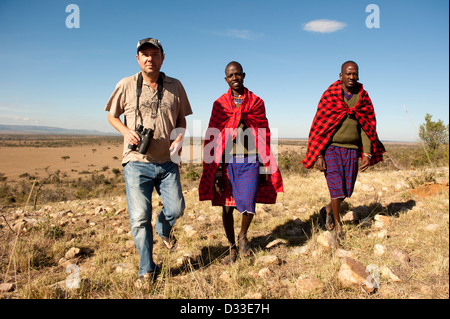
[347, 63]
[236, 64]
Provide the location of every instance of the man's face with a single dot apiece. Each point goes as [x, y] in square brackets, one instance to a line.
[235, 78]
[349, 75]
[150, 59]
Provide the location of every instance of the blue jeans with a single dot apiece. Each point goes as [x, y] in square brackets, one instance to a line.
[140, 179]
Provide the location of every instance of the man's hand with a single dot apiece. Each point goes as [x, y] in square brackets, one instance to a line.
[219, 184]
[131, 137]
[175, 149]
[365, 163]
[320, 164]
[176, 145]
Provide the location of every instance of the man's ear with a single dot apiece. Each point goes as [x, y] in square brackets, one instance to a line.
[243, 75]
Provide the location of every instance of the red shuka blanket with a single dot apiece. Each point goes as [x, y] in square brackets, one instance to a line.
[223, 124]
[330, 112]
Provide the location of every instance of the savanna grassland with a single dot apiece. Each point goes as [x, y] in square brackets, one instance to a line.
[65, 233]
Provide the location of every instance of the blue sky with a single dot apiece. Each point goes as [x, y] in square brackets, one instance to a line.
[53, 75]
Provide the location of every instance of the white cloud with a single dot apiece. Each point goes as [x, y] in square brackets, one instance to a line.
[243, 34]
[324, 26]
[238, 34]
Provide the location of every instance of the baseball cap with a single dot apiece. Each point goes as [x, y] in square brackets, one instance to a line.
[156, 43]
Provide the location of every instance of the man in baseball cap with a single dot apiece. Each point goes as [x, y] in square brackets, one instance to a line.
[161, 107]
[149, 41]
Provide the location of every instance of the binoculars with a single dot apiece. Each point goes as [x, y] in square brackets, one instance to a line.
[145, 134]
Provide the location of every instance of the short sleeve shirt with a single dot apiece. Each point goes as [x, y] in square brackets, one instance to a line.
[174, 104]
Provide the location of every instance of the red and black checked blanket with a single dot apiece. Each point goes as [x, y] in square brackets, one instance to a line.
[331, 111]
[223, 124]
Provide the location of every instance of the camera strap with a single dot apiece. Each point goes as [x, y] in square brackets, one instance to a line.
[159, 89]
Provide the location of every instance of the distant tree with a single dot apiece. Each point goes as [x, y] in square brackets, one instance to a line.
[433, 134]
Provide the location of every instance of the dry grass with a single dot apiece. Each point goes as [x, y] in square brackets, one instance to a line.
[31, 259]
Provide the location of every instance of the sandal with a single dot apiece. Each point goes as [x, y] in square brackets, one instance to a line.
[328, 218]
[244, 247]
[231, 257]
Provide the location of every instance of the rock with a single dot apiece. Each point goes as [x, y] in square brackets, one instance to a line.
[380, 250]
[274, 243]
[381, 221]
[254, 295]
[327, 240]
[225, 276]
[190, 231]
[350, 217]
[400, 256]
[341, 253]
[268, 260]
[99, 210]
[298, 251]
[76, 252]
[123, 268]
[129, 244]
[119, 230]
[431, 227]
[72, 253]
[381, 234]
[63, 262]
[7, 287]
[306, 286]
[265, 272]
[367, 188]
[353, 275]
[121, 211]
[387, 273]
[426, 290]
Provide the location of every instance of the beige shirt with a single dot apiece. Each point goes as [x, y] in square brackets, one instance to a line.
[174, 104]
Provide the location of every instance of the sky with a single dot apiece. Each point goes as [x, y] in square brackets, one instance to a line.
[59, 64]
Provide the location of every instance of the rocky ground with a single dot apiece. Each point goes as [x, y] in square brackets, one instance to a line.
[395, 246]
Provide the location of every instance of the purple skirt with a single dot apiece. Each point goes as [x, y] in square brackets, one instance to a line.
[243, 173]
[342, 170]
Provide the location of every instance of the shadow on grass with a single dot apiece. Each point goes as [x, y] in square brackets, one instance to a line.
[315, 221]
[294, 233]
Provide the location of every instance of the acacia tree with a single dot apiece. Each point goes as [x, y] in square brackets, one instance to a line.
[433, 134]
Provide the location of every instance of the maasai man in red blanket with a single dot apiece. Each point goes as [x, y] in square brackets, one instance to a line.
[343, 129]
[239, 168]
